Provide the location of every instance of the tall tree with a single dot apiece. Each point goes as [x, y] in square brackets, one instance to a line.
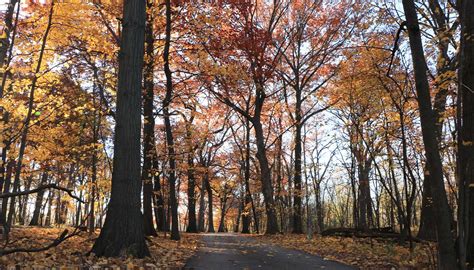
[123, 232]
[447, 255]
[168, 129]
[149, 123]
[466, 94]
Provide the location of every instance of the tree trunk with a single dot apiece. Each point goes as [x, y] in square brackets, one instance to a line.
[466, 88]
[426, 230]
[192, 224]
[24, 201]
[248, 195]
[148, 125]
[122, 233]
[297, 205]
[39, 201]
[446, 252]
[266, 178]
[24, 133]
[169, 131]
[210, 215]
[201, 222]
[5, 40]
[158, 193]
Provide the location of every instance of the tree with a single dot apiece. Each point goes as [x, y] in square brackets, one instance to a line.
[447, 255]
[148, 125]
[466, 135]
[168, 129]
[123, 231]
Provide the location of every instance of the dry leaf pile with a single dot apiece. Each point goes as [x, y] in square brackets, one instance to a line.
[363, 253]
[71, 254]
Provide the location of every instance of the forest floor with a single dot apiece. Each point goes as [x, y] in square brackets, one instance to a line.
[236, 251]
[220, 251]
[363, 253]
[71, 254]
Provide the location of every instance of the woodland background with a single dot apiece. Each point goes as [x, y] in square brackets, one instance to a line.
[303, 116]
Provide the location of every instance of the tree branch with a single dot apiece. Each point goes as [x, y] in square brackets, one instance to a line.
[40, 188]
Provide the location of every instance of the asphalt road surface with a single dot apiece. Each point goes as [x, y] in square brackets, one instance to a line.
[236, 251]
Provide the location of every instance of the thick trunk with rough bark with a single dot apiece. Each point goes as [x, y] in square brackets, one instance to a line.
[122, 233]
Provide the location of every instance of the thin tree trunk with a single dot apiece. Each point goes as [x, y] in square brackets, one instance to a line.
[148, 125]
[192, 223]
[266, 178]
[26, 123]
[168, 128]
[201, 222]
[160, 214]
[297, 205]
[39, 201]
[210, 215]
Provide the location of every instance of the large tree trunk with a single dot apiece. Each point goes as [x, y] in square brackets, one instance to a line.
[447, 254]
[39, 201]
[123, 232]
[427, 231]
[466, 88]
[148, 126]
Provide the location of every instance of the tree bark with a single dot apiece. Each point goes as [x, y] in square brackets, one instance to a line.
[123, 233]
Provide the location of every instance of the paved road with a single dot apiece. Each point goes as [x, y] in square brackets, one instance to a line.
[234, 251]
